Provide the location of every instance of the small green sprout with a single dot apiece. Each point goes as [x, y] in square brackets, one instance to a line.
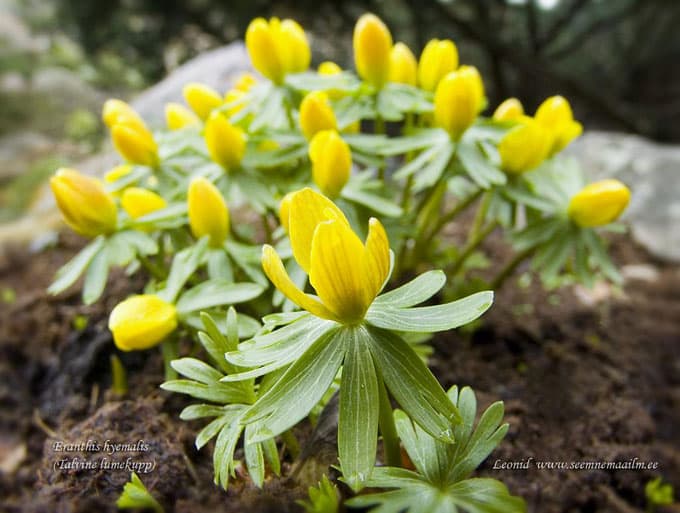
[8, 295]
[136, 496]
[323, 498]
[658, 493]
[80, 322]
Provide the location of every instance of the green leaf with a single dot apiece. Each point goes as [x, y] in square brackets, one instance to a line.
[69, 273]
[414, 292]
[312, 81]
[358, 418]
[223, 455]
[429, 319]
[200, 411]
[136, 496]
[372, 202]
[293, 396]
[219, 266]
[599, 255]
[220, 393]
[217, 293]
[95, 277]
[183, 266]
[211, 430]
[196, 370]
[254, 460]
[423, 450]
[484, 495]
[412, 384]
[421, 139]
[271, 454]
[429, 174]
[275, 158]
[478, 167]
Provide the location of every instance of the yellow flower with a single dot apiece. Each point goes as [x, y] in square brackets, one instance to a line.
[346, 274]
[329, 68]
[555, 115]
[458, 100]
[510, 110]
[117, 112]
[372, 46]
[138, 202]
[141, 322]
[599, 203]
[208, 212]
[331, 162]
[226, 142]
[439, 58]
[277, 48]
[524, 147]
[87, 208]
[178, 116]
[403, 65]
[202, 99]
[138, 147]
[117, 173]
[316, 114]
[245, 82]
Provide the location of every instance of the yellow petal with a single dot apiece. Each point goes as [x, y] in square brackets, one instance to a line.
[316, 114]
[294, 47]
[245, 82]
[226, 142]
[116, 112]
[307, 209]
[284, 210]
[338, 270]
[331, 162]
[458, 100]
[136, 147]
[377, 259]
[599, 203]
[439, 58]
[202, 99]
[178, 116]
[329, 68]
[510, 110]
[403, 65]
[138, 202]
[208, 212]
[117, 173]
[261, 46]
[524, 147]
[141, 322]
[372, 43]
[276, 272]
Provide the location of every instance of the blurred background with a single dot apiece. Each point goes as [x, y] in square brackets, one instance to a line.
[618, 61]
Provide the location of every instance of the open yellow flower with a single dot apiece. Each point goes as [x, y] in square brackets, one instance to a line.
[316, 114]
[277, 48]
[141, 322]
[439, 58]
[202, 99]
[599, 203]
[510, 110]
[372, 46]
[331, 162]
[346, 274]
[403, 65]
[226, 142]
[556, 116]
[177, 116]
[138, 202]
[86, 206]
[524, 147]
[458, 100]
[208, 212]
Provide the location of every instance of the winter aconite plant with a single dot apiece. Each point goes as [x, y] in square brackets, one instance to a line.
[291, 250]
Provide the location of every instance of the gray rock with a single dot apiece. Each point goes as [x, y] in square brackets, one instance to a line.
[19, 150]
[64, 92]
[217, 68]
[652, 171]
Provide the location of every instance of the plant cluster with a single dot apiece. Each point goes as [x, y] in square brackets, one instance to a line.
[333, 187]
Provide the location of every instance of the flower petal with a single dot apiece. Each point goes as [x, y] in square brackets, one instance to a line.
[306, 210]
[276, 272]
[338, 270]
[377, 257]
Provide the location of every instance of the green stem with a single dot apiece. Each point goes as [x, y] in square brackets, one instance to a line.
[170, 350]
[480, 216]
[453, 213]
[292, 443]
[267, 228]
[510, 268]
[119, 384]
[471, 245]
[153, 269]
[387, 428]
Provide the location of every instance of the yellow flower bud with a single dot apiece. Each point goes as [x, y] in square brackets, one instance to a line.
[117, 112]
[202, 99]
[141, 322]
[135, 146]
[245, 82]
[556, 116]
[524, 147]
[403, 65]
[458, 100]
[329, 68]
[138, 202]
[316, 114]
[87, 208]
[277, 48]
[510, 110]
[226, 142]
[331, 162]
[117, 173]
[439, 58]
[208, 212]
[178, 116]
[372, 46]
[599, 203]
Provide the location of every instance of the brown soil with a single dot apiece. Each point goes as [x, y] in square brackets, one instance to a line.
[580, 383]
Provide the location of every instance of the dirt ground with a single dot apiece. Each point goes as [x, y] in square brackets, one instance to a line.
[580, 381]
